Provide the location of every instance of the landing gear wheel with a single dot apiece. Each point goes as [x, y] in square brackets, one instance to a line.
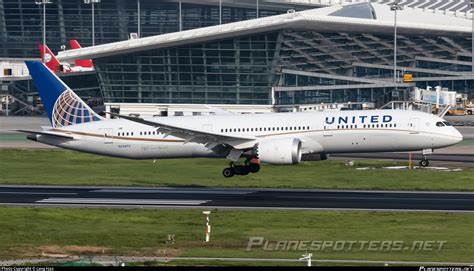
[228, 172]
[254, 168]
[424, 163]
[241, 170]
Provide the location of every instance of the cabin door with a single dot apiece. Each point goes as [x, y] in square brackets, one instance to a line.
[108, 135]
[414, 126]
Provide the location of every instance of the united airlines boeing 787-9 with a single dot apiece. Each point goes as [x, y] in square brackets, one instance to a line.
[273, 138]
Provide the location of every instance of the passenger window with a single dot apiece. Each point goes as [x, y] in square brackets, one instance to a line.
[447, 123]
[439, 124]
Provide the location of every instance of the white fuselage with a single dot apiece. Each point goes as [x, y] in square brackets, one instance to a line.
[319, 132]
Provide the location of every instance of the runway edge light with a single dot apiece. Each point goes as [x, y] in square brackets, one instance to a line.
[307, 257]
[207, 230]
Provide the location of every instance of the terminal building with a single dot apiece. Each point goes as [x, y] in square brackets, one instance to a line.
[249, 56]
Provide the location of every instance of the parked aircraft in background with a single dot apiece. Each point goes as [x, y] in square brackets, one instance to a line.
[273, 138]
[84, 63]
[54, 65]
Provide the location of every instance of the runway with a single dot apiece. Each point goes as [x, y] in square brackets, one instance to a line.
[461, 158]
[278, 199]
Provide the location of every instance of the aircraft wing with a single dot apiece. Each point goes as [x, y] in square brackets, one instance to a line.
[207, 138]
[45, 133]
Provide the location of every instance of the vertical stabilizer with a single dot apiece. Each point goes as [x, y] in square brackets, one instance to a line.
[63, 106]
[85, 63]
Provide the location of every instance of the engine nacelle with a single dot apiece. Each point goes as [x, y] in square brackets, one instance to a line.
[280, 151]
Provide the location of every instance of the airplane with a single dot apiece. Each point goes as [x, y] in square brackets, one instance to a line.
[272, 138]
[51, 62]
[54, 65]
[84, 63]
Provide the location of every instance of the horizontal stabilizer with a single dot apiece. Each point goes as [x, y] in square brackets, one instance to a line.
[45, 133]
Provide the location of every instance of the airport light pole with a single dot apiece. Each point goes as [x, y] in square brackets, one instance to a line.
[257, 9]
[92, 2]
[395, 7]
[139, 19]
[180, 16]
[44, 2]
[220, 12]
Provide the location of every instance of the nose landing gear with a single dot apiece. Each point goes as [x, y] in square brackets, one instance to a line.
[424, 162]
[250, 166]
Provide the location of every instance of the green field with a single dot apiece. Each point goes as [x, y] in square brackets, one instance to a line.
[61, 167]
[27, 232]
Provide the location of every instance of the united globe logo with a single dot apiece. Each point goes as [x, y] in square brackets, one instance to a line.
[70, 110]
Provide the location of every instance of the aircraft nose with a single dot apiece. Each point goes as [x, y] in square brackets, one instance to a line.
[457, 136]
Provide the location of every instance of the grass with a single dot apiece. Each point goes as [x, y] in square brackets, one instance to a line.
[27, 232]
[61, 167]
[12, 137]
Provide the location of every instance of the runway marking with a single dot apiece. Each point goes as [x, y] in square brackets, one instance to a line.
[170, 191]
[36, 193]
[122, 201]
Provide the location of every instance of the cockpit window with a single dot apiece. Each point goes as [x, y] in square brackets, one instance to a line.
[440, 124]
[447, 123]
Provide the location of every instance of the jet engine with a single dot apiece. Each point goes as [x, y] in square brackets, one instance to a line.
[280, 151]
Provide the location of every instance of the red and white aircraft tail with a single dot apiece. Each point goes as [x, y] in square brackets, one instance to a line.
[49, 59]
[54, 65]
[85, 63]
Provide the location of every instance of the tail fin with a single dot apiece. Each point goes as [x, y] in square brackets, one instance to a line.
[63, 106]
[86, 63]
[74, 44]
[49, 58]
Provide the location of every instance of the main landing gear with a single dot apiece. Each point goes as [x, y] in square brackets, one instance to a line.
[250, 166]
[424, 161]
